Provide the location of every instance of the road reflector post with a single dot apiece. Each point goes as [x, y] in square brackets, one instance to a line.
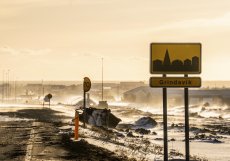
[76, 136]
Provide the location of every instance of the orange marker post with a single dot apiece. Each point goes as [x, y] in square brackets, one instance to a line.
[76, 136]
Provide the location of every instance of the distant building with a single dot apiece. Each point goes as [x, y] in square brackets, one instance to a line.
[147, 95]
[57, 87]
[125, 86]
[34, 85]
[36, 88]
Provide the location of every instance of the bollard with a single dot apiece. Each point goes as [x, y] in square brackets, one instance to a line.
[76, 125]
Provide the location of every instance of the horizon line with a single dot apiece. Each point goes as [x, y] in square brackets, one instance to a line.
[112, 80]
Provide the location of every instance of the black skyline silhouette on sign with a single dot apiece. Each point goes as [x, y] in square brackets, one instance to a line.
[176, 65]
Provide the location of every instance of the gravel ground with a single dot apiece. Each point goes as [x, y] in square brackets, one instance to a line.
[39, 139]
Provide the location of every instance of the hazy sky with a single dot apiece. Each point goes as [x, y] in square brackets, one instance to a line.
[65, 39]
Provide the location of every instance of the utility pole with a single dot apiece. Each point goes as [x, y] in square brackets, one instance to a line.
[15, 91]
[7, 73]
[3, 86]
[8, 92]
[9, 87]
[102, 84]
[43, 91]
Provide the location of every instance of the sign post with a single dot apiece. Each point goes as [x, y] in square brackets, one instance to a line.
[175, 58]
[86, 88]
[47, 98]
[186, 114]
[165, 122]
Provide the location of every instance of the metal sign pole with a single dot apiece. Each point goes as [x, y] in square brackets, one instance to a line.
[84, 119]
[165, 122]
[86, 88]
[186, 104]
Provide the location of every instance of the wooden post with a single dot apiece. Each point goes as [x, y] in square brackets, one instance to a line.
[84, 109]
[76, 136]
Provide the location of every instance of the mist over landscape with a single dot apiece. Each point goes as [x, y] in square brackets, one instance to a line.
[131, 101]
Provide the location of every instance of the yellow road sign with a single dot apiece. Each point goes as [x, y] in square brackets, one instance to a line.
[86, 84]
[175, 82]
[175, 58]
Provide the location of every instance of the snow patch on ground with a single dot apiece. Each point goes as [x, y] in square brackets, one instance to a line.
[7, 118]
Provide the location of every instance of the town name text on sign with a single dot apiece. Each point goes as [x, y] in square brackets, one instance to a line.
[175, 82]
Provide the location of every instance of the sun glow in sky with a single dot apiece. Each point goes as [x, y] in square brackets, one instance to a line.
[65, 40]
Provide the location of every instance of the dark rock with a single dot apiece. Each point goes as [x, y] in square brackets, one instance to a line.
[172, 139]
[124, 126]
[154, 133]
[104, 115]
[120, 135]
[208, 138]
[195, 129]
[198, 130]
[130, 134]
[206, 104]
[180, 125]
[217, 141]
[195, 114]
[147, 122]
[200, 136]
[213, 133]
[142, 131]
[221, 118]
[146, 142]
